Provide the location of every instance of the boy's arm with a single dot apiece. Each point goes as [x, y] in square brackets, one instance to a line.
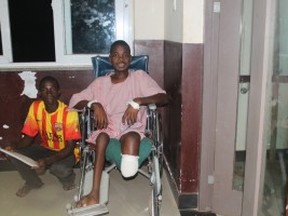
[25, 141]
[80, 105]
[160, 99]
[130, 115]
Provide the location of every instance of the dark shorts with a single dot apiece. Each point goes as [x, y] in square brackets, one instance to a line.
[113, 151]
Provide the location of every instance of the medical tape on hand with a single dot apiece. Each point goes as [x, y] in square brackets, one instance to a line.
[89, 104]
[134, 105]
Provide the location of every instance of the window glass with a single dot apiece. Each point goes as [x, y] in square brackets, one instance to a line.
[32, 32]
[275, 199]
[92, 24]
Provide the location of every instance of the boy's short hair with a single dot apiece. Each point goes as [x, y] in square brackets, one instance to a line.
[119, 43]
[49, 79]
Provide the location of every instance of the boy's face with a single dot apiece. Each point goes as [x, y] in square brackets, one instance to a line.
[120, 58]
[49, 93]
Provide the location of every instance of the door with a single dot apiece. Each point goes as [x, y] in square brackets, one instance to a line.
[226, 199]
[269, 178]
[233, 84]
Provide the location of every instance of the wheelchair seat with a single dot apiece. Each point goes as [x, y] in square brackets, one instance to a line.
[101, 67]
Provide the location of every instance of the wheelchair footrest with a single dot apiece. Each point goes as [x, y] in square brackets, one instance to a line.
[97, 209]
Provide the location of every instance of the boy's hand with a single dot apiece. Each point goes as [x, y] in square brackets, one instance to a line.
[130, 115]
[9, 148]
[40, 170]
[100, 116]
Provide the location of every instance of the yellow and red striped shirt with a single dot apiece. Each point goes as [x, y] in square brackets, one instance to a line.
[54, 128]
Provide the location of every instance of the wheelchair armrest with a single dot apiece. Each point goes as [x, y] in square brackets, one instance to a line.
[152, 107]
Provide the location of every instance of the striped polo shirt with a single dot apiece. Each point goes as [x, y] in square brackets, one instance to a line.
[54, 128]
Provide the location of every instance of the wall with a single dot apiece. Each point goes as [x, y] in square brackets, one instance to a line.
[179, 53]
[149, 19]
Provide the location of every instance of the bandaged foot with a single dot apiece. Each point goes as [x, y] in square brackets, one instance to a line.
[129, 165]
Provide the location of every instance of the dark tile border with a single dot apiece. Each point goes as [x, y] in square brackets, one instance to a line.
[195, 213]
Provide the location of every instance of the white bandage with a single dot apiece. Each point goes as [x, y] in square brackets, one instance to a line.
[129, 165]
[89, 104]
[134, 105]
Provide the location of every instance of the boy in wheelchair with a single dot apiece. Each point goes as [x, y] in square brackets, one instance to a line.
[118, 102]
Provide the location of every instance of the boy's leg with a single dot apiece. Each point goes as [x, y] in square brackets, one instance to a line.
[100, 148]
[113, 151]
[63, 170]
[32, 180]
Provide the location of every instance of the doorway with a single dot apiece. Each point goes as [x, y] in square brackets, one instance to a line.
[274, 175]
[237, 102]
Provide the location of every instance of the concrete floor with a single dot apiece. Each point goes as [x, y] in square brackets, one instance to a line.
[126, 198]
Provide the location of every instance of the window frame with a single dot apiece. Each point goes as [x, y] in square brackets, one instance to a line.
[5, 33]
[124, 30]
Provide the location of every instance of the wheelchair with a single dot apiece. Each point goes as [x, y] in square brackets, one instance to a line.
[154, 162]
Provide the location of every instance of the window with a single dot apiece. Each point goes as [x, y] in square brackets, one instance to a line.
[1, 50]
[6, 52]
[32, 33]
[62, 31]
[84, 20]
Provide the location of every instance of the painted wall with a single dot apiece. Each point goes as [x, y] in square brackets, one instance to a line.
[149, 19]
[193, 21]
[172, 20]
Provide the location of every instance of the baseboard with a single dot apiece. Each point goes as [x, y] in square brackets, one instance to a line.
[183, 200]
[196, 213]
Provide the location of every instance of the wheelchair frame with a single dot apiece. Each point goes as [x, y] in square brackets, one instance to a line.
[102, 65]
[154, 173]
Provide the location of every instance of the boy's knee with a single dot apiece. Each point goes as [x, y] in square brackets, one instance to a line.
[129, 165]
[102, 141]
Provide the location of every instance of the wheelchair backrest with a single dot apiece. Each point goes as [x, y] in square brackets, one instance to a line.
[102, 65]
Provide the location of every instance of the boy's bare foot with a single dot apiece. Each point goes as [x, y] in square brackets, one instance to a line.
[86, 201]
[24, 190]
